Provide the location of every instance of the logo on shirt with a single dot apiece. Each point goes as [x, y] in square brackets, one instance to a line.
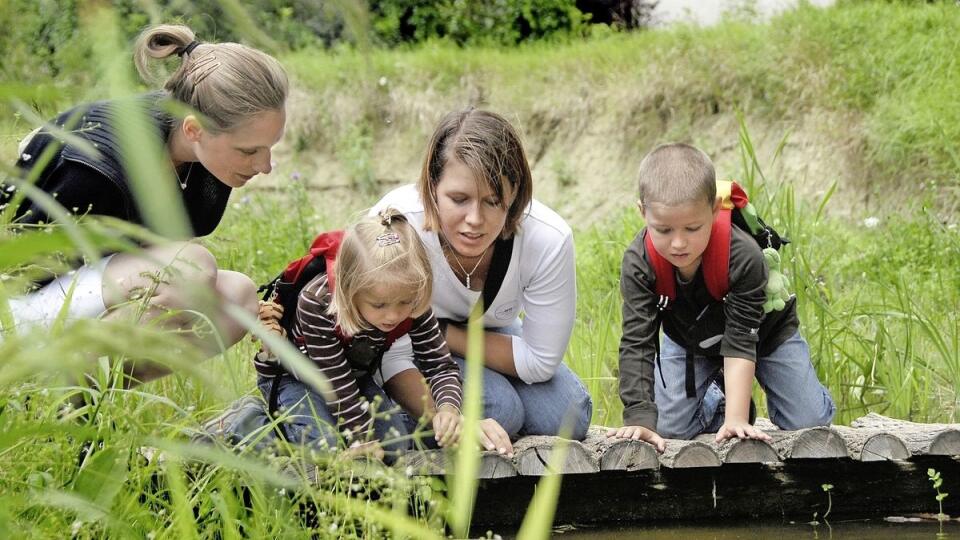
[506, 311]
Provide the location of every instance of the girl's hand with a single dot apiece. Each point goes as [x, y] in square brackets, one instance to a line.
[369, 449]
[639, 433]
[447, 424]
[494, 437]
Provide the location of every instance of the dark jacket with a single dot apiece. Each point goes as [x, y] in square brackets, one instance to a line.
[100, 185]
[735, 327]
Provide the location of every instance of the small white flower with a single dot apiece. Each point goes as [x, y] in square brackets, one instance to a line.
[333, 527]
[76, 526]
[364, 406]
[383, 81]
[871, 222]
[25, 156]
[151, 535]
[11, 188]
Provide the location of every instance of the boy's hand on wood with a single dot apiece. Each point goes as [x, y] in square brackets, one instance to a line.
[447, 423]
[639, 433]
[741, 430]
[494, 437]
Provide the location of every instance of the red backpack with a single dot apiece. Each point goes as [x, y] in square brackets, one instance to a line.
[736, 210]
[285, 288]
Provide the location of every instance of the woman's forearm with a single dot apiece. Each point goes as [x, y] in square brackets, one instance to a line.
[497, 349]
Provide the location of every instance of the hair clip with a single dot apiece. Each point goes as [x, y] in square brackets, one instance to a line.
[388, 239]
[386, 218]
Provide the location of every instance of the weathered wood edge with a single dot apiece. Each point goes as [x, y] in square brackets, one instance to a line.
[872, 445]
[532, 456]
[920, 439]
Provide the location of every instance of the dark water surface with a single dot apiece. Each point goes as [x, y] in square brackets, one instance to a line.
[880, 530]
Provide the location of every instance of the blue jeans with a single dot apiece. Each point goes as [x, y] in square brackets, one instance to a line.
[538, 408]
[795, 397]
[310, 422]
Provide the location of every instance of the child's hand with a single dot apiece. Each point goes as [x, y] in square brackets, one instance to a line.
[446, 426]
[740, 430]
[494, 437]
[269, 315]
[639, 433]
[370, 449]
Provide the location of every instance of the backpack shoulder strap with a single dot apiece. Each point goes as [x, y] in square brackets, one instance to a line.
[664, 278]
[715, 261]
[500, 262]
[397, 333]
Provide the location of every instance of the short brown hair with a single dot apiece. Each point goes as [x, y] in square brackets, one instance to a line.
[226, 83]
[370, 256]
[490, 147]
[677, 173]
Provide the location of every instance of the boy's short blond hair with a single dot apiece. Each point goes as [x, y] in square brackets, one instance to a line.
[380, 249]
[677, 173]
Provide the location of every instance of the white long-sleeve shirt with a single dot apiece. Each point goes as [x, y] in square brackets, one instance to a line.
[540, 283]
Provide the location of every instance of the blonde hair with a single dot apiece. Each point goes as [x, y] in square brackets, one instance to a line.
[490, 147]
[382, 249]
[677, 173]
[226, 83]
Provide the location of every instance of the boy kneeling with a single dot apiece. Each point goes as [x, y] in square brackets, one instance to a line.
[702, 380]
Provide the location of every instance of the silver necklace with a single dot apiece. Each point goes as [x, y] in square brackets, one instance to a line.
[464, 270]
[183, 183]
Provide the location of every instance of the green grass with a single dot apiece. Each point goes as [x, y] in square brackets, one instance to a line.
[877, 304]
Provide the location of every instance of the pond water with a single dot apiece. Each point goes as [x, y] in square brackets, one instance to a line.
[873, 530]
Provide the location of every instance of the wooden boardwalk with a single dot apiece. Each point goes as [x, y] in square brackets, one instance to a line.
[877, 467]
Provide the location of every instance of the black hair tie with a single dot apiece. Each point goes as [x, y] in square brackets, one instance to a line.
[188, 49]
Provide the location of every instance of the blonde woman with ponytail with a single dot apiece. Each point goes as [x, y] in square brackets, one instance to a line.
[236, 98]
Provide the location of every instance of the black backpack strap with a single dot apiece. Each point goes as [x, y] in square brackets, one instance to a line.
[502, 250]
[273, 405]
[690, 378]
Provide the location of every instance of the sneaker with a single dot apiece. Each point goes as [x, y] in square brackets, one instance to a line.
[243, 421]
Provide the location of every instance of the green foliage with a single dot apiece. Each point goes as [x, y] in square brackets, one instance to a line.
[936, 481]
[500, 22]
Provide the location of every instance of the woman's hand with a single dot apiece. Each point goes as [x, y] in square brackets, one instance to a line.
[369, 449]
[639, 433]
[447, 423]
[494, 437]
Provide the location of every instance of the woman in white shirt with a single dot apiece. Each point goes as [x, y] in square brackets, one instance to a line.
[488, 240]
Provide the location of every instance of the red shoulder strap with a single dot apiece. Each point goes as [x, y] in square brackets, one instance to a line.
[715, 262]
[716, 258]
[392, 336]
[398, 332]
[664, 283]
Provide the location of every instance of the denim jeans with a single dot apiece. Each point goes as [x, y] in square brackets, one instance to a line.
[538, 408]
[795, 397]
[311, 423]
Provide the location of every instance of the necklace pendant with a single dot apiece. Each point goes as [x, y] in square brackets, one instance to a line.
[468, 281]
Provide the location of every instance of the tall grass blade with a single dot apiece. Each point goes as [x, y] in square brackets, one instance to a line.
[538, 521]
[467, 467]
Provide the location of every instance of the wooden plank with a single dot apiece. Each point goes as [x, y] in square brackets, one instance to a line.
[812, 443]
[689, 454]
[920, 439]
[872, 445]
[532, 454]
[439, 463]
[616, 454]
[741, 450]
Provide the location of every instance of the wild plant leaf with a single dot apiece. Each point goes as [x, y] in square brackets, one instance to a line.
[29, 246]
[538, 521]
[102, 476]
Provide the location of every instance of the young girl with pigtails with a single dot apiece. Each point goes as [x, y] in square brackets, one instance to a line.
[376, 290]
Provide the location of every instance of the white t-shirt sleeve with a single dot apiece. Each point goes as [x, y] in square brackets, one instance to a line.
[549, 305]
